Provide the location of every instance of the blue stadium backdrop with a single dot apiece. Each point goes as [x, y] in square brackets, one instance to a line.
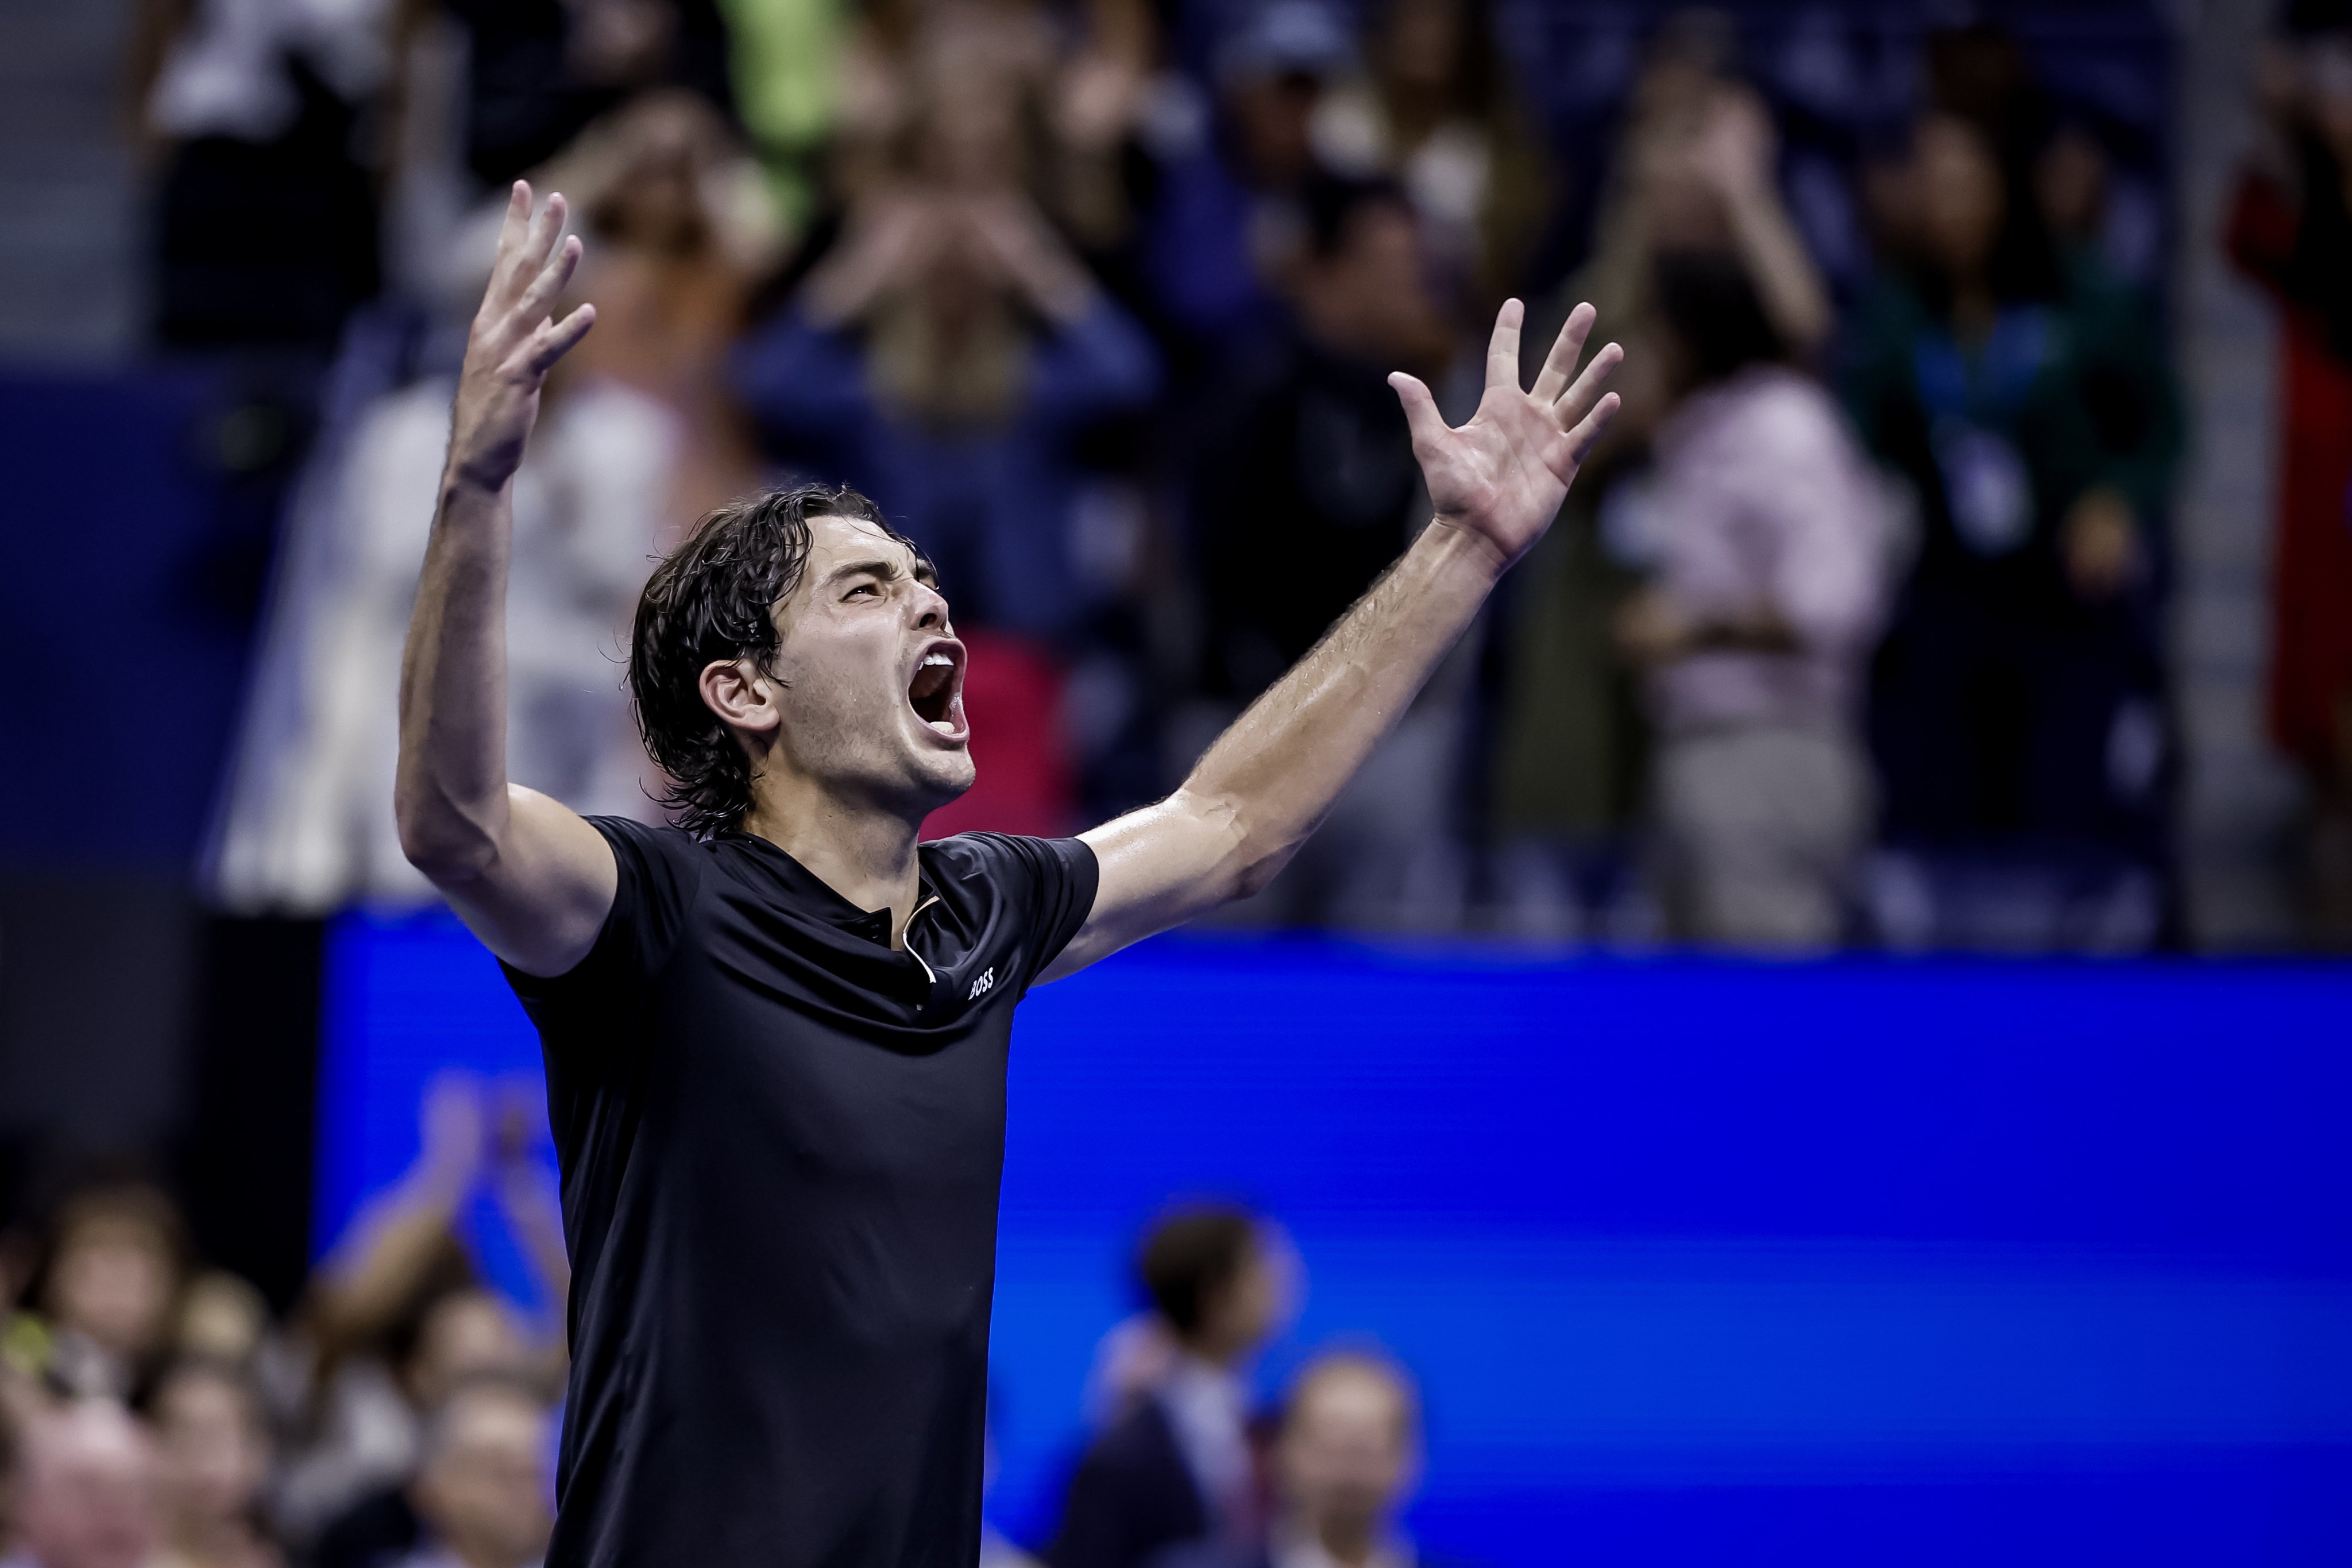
[1858, 1262]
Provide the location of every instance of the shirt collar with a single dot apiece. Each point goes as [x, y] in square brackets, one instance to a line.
[816, 898]
[1201, 1386]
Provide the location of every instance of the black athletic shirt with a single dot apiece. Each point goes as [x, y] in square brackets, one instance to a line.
[780, 1144]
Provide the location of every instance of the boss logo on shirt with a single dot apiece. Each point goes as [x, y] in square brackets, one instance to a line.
[987, 978]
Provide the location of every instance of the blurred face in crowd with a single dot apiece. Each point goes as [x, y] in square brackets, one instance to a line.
[483, 1488]
[89, 1494]
[1348, 1452]
[1270, 115]
[1420, 47]
[1371, 296]
[214, 1453]
[222, 1317]
[666, 144]
[2071, 182]
[468, 1334]
[869, 677]
[1242, 1315]
[114, 1280]
[1958, 195]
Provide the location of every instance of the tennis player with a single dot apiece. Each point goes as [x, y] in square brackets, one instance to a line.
[775, 1033]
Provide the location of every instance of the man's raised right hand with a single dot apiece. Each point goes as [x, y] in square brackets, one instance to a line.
[514, 342]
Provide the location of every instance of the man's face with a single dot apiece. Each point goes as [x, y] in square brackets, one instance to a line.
[485, 1492]
[1346, 1455]
[1372, 298]
[113, 1282]
[1958, 193]
[214, 1457]
[871, 675]
[466, 1333]
[1271, 117]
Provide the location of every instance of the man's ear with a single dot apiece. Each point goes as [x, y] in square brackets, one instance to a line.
[741, 696]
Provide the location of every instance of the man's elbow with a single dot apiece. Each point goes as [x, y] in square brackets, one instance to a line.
[446, 845]
[1250, 851]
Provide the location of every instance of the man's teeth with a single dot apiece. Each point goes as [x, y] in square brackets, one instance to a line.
[944, 726]
[937, 658]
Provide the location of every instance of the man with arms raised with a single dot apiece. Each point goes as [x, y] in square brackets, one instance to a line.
[775, 1035]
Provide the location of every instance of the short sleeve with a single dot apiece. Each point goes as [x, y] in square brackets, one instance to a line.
[660, 869]
[1051, 882]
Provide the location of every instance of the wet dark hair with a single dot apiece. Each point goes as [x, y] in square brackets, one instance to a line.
[1192, 1255]
[1710, 302]
[713, 598]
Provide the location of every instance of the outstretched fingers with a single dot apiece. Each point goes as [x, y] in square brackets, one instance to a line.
[527, 239]
[1561, 363]
[550, 280]
[1577, 402]
[1428, 426]
[552, 341]
[514, 236]
[1503, 348]
[1578, 438]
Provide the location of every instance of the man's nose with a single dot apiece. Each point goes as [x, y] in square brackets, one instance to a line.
[930, 607]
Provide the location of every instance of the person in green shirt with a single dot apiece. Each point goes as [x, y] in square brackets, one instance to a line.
[2022, 393]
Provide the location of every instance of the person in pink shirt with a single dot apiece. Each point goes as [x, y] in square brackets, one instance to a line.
[1772, 531]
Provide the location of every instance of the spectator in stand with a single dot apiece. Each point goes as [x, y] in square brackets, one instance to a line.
[1224, 225]
[540, 71]
[466, 1336]
[265, 229]
[1311, 485]
[943, 359]
[1345, 1463]
[681, 233]
[88, 1493]
[1438, 108]
[2291, 229]
[1694, 172]
[1177, 1464]
[398, 1319]
[2023, 395]
[215, 1452]
[1757, 630]
[118, 1257]
[483, 1487]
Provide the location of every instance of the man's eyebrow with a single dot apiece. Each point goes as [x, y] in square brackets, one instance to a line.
[888, 570]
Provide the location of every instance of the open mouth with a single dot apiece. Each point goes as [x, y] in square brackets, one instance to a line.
[936, 693]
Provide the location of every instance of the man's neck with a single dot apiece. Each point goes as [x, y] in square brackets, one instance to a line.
[864, 853]
[1351, 1543]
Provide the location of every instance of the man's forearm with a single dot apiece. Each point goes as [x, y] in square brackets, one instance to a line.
[452, 792]
[1277, 770]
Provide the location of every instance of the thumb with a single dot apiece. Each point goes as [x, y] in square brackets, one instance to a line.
[1420, 410]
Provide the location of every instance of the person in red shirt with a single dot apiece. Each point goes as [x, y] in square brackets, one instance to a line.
[2290, 229]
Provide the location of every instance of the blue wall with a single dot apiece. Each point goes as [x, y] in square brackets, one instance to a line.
[124, 614]
[1857, 1262]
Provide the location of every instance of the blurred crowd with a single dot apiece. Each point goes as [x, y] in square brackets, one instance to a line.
[154, 1412]
[1851, 631]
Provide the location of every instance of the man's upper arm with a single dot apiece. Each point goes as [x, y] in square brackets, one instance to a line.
[539, 904]
[1156, 868]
